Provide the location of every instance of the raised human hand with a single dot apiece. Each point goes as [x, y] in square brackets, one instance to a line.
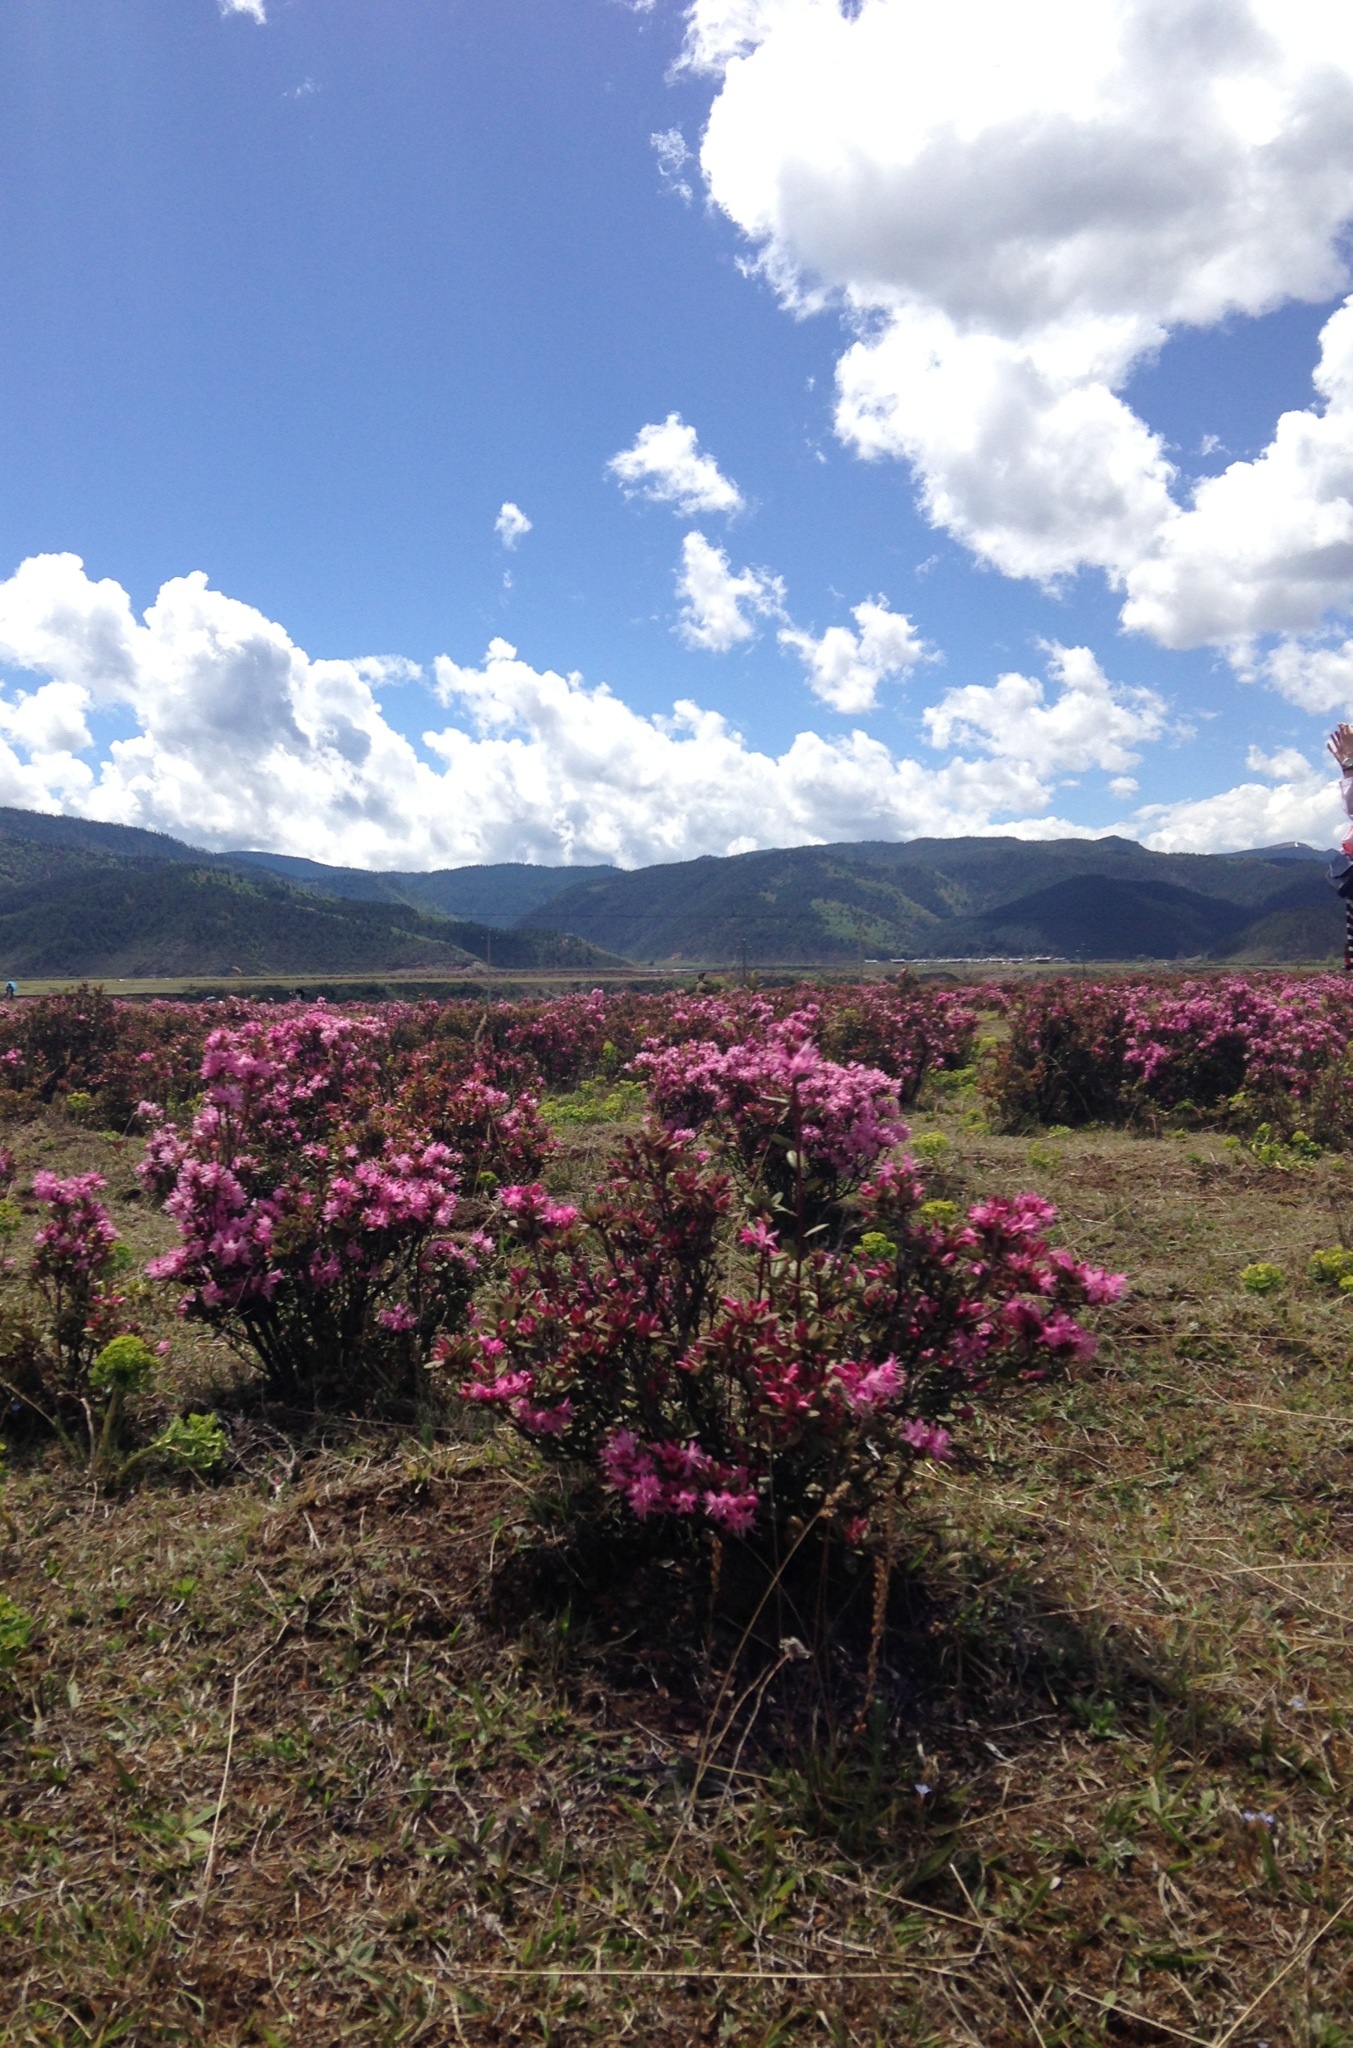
[1341, 745]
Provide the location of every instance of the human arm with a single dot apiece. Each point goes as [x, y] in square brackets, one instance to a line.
[1340, 744]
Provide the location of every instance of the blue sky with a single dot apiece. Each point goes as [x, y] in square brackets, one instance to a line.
[301, 293]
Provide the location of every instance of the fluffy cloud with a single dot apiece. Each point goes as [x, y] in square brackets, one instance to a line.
[718, 608]
[1036, 467]
[582, 777]
[1091, 723]
[255, 9]
[1017, 205]
[845, 669]
[242, 739]
[1299, 802]
[1318, 678]
[1267, 546]
[511, 524]
[665, 464]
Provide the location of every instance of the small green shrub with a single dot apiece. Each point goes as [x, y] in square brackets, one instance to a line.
[933, 1145]
[951, 1080]
[1261, 1278]
[16, 1633]
[1332, 1268]
[124, 1366]
[196, 1442]
[600, 1101]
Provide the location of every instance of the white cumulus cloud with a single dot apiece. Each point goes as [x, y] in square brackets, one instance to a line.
[720, 607]
[237, 737]
[255, 9]
[1297, 802]
[1267, 546]
[511, 524]
[1318, 678]
[666, 464]
[1017, 205]
[845, 668]
[1090, 723]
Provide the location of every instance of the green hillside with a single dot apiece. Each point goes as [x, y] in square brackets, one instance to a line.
[1101, 899]
[502, 893]
[79, 897]
[94, 915]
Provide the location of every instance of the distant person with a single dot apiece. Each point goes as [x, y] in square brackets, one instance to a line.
[11, 988]
[1341, 870]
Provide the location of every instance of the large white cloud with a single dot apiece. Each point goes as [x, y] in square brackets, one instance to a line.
[242, 739]
[1017, 204]
[1267, 546]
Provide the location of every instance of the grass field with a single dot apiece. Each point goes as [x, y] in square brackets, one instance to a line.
[515, 983]
[353, 1748]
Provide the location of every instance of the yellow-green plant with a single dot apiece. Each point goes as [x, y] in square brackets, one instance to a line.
[16, 1633]
[198, 1443]
[126, 1365]
[1261, 1278]
[1332, 1268]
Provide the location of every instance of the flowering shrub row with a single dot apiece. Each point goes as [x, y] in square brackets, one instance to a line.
[109, 1055]
[1080, 1051]
[758, 1324]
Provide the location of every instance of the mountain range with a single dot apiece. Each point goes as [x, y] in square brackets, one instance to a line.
[1097, 899]
[78, 897]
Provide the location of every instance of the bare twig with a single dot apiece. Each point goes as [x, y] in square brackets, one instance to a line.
[210, 1863]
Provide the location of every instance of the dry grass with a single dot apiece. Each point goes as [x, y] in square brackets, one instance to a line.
[351, 1749]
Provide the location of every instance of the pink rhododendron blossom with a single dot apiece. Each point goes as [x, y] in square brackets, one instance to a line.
[869, 1386]
[400, 1317]
[927, 1439]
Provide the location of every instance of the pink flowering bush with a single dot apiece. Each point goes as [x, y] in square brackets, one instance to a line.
[60, 1310]
[707, 1369]
[88, 1043]
[908, 1031]
[803, 1128]
[497, 1132]
[315, 1232]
